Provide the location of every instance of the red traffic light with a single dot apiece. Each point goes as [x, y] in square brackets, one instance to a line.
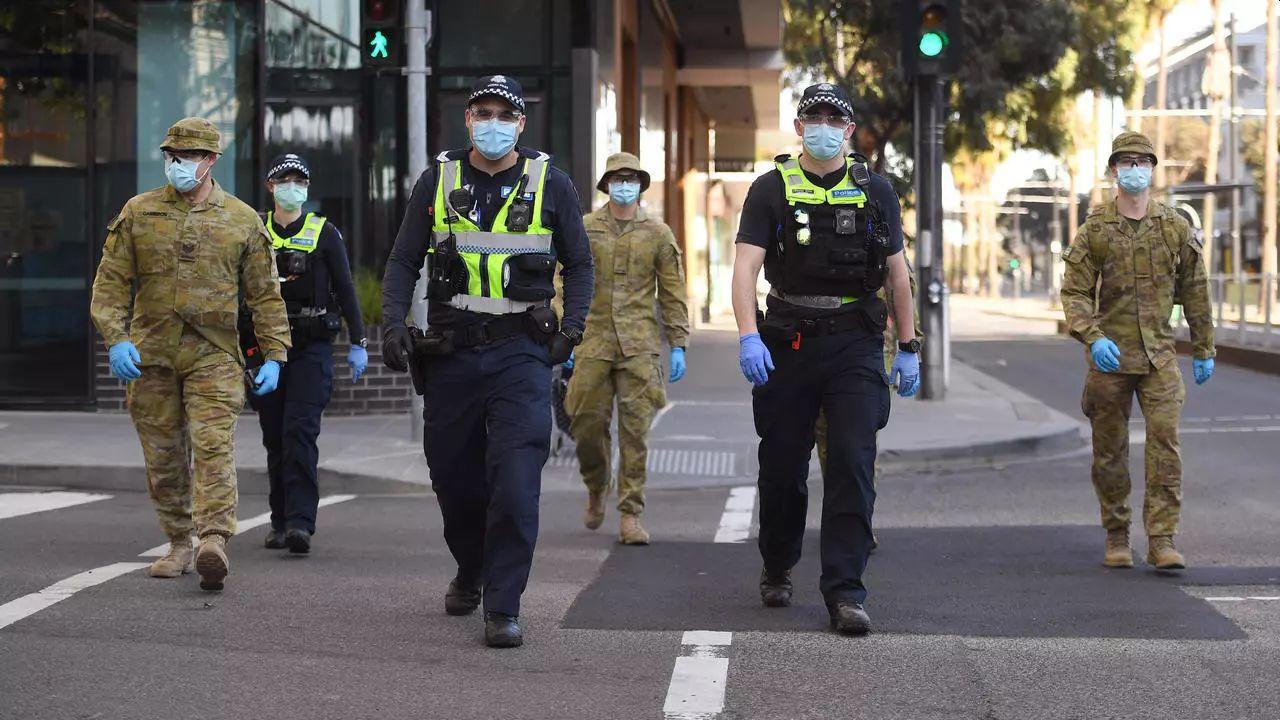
[379, 10]
[933, 16]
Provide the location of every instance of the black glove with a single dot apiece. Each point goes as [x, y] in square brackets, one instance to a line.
[397, 347]
[560, 347]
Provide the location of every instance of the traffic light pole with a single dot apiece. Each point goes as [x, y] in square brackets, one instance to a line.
[417, 34]
[929, 113]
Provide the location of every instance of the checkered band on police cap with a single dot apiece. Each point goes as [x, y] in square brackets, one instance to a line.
[498, 86]
[284, 163]
[825, 94]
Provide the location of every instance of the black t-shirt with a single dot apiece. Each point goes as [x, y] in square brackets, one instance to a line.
[331, 270]
[765, 210]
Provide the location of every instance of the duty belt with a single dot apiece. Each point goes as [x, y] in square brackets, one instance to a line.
[299, 311]
[483, 333]
[794, 329]
[820, 302]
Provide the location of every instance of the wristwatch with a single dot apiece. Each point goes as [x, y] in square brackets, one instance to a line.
[363, 342]
[912, 346]
[575, 336]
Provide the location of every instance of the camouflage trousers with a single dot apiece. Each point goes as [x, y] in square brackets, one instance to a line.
[1107, 402]
[639, 387]
[186, 421]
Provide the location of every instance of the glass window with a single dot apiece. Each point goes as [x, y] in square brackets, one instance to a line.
[45, 256]
[314, 34]
[513, 35]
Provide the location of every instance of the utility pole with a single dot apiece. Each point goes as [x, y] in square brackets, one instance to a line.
[1233, 155]
[1270, 153]
[930, 108]
[417, 35]
[1215, 91]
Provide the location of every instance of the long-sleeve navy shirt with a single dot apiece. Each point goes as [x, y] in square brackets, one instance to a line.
[560, 212]
[333, 272]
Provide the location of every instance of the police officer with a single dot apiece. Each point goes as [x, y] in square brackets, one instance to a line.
[315, 282]
[828, 234]
[1131, 261]
[619, 353]
[493, 219]
[190, 248]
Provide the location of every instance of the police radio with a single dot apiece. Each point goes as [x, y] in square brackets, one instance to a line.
[447, 270]
[520, 212]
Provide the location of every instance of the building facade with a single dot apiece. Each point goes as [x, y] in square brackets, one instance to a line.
[88, 87]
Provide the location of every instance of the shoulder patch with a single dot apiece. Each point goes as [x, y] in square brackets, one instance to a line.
[1073, 253]
[1196, 240]
[111, 226]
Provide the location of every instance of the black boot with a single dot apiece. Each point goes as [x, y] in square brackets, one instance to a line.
[848, 618]
[299, 541]
[501, 631]
[462, 597]
[275, 540]
[775, 588]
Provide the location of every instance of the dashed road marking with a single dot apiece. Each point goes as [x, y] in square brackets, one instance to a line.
[735, 523]
[15, 610]
[24, 503]
[1233, 598]
[698, 678]
[247, 524]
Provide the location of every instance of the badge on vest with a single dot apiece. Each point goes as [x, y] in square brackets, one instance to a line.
[846, 193]
[506, 191]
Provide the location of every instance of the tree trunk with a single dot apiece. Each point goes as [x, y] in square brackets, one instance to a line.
[1216, 93]
[994, 249]
[1102, 150]
[1162, 99]
[1270, 150]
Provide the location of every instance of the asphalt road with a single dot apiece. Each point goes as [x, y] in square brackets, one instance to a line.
[987, 594]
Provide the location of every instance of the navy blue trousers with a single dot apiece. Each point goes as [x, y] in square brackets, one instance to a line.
[843, 375]
[488, 433]
[290, 421]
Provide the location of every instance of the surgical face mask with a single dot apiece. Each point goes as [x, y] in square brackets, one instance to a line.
[1133, 180]
[494, 138]
[822, 141]
[289, 196]
[624, 193]
[182, 174]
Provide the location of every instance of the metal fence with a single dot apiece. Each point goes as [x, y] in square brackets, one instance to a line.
[1245, 310]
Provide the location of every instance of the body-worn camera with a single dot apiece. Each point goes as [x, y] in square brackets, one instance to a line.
[291, 262]
[519, 215]
[846, 221]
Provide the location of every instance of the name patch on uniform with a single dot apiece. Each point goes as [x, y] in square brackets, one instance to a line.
[802, 191]
[846, 193]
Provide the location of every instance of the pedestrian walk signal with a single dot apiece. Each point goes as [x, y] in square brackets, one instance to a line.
[380, 33]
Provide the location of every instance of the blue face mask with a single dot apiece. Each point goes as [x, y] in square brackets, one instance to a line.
[624, 193]
[182, 174]
[822, 141]
[289, 196]
[494, 138]
[1133, 180]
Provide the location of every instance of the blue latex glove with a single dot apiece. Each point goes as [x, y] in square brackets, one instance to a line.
[267, 379]
[1106, 356]
[754, 359]
[906, 373]
[1202, 370]
[677, 364]
[568, 364]
[124, 360]
[358, 359]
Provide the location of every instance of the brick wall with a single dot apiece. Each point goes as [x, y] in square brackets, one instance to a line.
[379, 391]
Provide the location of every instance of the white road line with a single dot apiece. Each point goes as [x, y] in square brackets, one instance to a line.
[24, 503]
[661, 414]
[1232, 598]
[698, 678]
[247, 524]
[15, 610]
[735, 523]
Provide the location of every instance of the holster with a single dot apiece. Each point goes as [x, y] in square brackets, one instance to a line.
[426, 344]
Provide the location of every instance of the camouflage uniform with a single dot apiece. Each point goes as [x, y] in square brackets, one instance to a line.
[618, 357]
[1122, 284]
[890, 350]
[190, 263]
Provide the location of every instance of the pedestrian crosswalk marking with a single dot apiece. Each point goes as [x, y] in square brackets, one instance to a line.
[735, 523]
[698, 678]
[247, 524]
[15, 610]
[663, 461]
[24, 503]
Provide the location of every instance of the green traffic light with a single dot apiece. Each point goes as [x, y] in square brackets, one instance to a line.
[932, 43]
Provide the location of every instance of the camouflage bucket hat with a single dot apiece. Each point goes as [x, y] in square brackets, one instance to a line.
[1132, 142]
[193, 133]
[622, 161]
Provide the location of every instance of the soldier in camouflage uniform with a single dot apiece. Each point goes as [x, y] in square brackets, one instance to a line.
[191, 249]
[1131, 262]
[636, 257]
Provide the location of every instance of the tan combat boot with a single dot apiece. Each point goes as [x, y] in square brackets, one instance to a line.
[631, 533]
[593, 516]
[1119, 554]
[180, 560]
[211, 562]
[1161, 553]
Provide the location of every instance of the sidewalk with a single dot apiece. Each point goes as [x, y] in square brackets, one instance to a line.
[704, 437]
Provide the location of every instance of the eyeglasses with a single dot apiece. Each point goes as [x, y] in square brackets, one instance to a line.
[485, 114]
[188, 155]
[300, 182]
[624, 178]
[836, 121]
[1141, 161]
